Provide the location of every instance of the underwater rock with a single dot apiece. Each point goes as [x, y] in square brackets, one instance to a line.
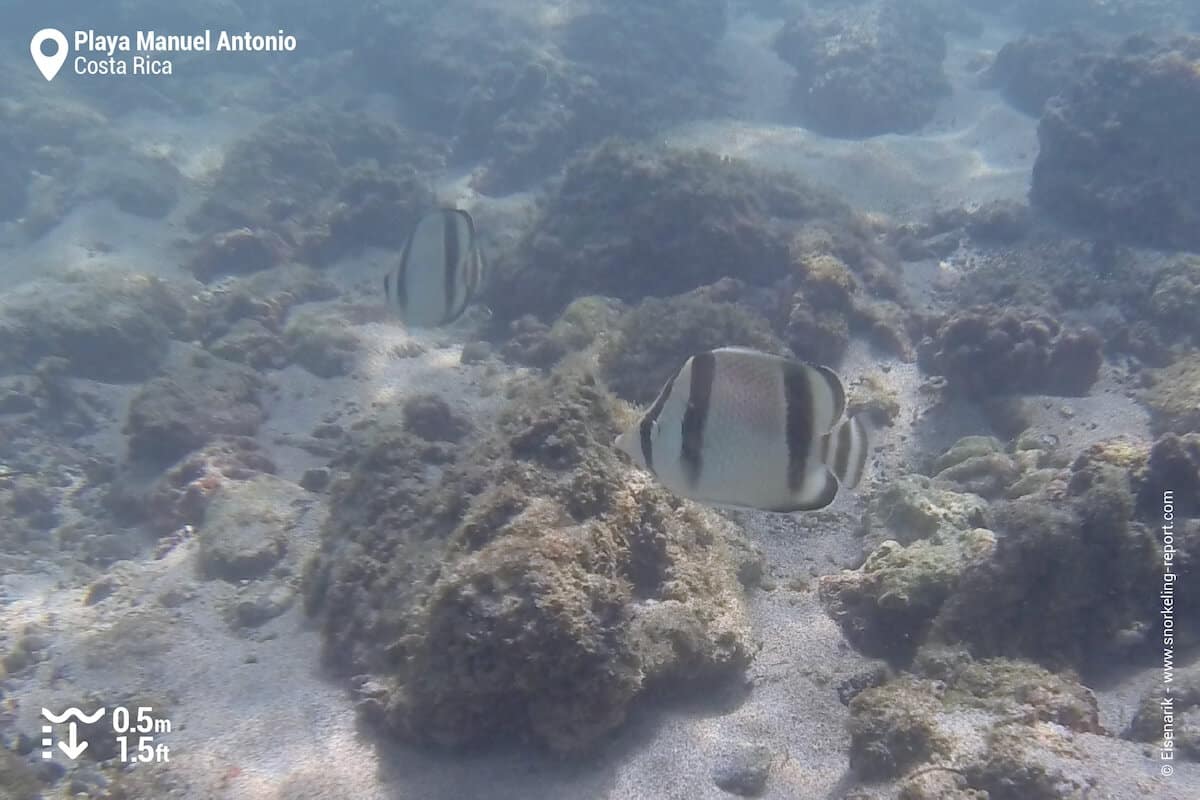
[1098, 558]
[370, 210]
[744, 770]
[263, 297]
[528, 590]
[581, 324]
[181, 496]
[521, 96]
[246, 527]
[871, 394]
[183, 411]
[1011, 688]
[997, 222]
[237, 252]
[979, 465]
[316, 172]
[1032, 69]
[1183, 701]
[886, 607]
[1108, 16]
[1171, 396]
[1024, 718]
[865, 71]
[894, 726]
[1173, 465]
[986, 352]
[107, 325]
[322, 341]
[257, 605]
[429, 417]
[249, 342]
[18, 779]
[911, 507]
[657, 336]
[1113, 159]
[629, 222]
[1174, 298]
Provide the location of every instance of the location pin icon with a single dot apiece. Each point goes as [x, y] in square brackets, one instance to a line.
[49, 65]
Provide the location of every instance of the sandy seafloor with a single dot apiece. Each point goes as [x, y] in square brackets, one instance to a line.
[256, 719]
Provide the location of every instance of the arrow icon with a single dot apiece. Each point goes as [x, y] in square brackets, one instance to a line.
[73, 749]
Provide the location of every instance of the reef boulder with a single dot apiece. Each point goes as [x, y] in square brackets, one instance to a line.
[864, 71]
[531, 590]
[1118, 153]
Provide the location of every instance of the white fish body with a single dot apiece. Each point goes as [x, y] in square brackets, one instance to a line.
[441, 270]
[742, 428]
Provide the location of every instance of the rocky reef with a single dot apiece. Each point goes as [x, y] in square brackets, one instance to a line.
[1116, 154]
[865, 70]
[628, 223]
[315, 184]
[1023, 721]
[989, 352]
[521, 97]
[653, 339]
[946, 566]
[106, 325]
[1032, 69]
[523, 586]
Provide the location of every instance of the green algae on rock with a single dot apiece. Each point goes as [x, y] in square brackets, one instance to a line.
[1173, 396]
[629, 223]
[108, 325]
[529, 588]
[894, 726]
[653, 339]
[176, 413]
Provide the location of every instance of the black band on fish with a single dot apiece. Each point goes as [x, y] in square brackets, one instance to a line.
[646, 427]
[450, 261]
[692, 430]
[797, 394]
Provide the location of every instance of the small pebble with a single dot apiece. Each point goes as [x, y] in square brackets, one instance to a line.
[743, 770]
[315, 480]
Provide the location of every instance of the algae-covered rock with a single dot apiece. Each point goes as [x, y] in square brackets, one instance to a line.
[979, 465]
[912, 507]
[865, 71]
[871, 394]
[18, 780]
[207, 397]
[583, 324]
[322, 341]
[1079, 562]
[1029, 762]
[529, 588]
[1019, 688]
[246, 527]
[1182, 703]
[307, 170]
[886, 607]
[1171, 467]
[1112, 156]
[109, 326]
[894, 726]
[429, 417]
[985, 353]
[1172, 396]
[629, 222]
[653, 340]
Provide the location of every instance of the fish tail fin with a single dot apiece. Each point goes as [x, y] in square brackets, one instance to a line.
[846, 448]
